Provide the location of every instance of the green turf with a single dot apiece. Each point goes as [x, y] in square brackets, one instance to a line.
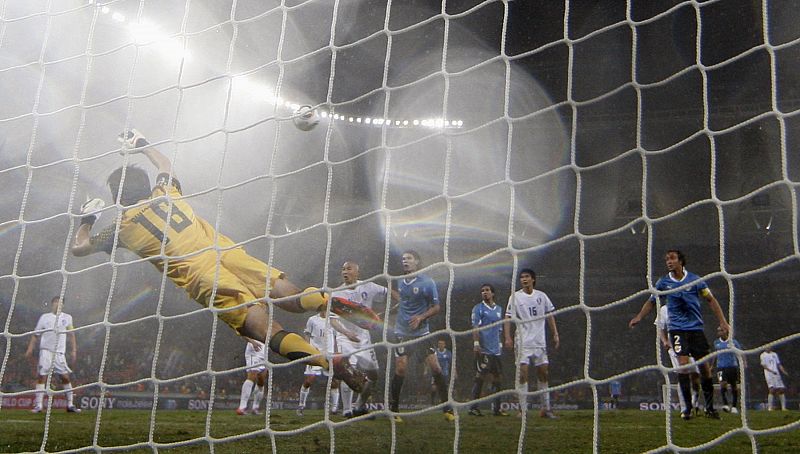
[619, 432]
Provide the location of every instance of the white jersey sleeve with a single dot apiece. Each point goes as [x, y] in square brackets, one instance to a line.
[549, 304]
[510, 309]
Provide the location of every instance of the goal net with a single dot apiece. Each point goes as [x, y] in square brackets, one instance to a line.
[579, 139]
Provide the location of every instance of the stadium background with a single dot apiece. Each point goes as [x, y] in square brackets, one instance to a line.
[744, 164]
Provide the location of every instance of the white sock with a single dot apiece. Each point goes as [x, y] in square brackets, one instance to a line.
[68, 388]
[334, 399]
[545, 396]
[347, 398]
[39, 394]
[258, 395]
[783, 401]
[304, 396]
[247, 388]
[770, 400]
[523, 398]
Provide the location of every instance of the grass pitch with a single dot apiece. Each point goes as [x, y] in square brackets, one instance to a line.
[619, 432]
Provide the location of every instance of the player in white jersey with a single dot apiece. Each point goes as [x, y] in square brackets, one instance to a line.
[321, 334]
[662, 326]
[355, 341]
[255, 356]
[772, 373]
[52, 330]
[528, 309]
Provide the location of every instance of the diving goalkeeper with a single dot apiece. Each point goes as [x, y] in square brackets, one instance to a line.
[158, 223]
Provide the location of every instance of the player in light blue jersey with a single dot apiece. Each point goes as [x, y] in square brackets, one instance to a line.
[445, 359]
[686, 324]
[727, 371]
[615, 390]
[487, 315]
[419, 301]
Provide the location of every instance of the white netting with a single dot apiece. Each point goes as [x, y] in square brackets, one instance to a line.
[581, 139]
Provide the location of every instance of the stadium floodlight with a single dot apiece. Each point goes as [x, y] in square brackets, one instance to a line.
[367, 120]
[119, 17]
[323, 114]
[105, 10]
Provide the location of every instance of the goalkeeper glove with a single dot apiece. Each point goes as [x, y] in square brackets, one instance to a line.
[91, 211]
[132, 141]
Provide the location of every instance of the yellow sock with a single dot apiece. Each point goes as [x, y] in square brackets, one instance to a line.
[312, 301]
[292, 346]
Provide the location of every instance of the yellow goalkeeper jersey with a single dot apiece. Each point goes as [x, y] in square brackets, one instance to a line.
[197, 258]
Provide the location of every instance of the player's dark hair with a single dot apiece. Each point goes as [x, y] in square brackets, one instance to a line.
[681, 257]
[414, 253]
[527, 271]
[491, 287]
[136, 187]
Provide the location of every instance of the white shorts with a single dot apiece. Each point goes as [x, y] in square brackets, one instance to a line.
[364, 359]
[255, 362]
[539, 355]
[55, 360]
[673, 357]
[774, 381]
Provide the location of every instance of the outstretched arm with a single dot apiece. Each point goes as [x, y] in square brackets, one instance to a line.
[31, 345]
[508, 342]
[662, 335]
[158, 159]
[256, 344]
[715, 307]
[415, 321]
[135, 142]
[552, 321]
[82, 246]
[646, 308]
[340, 328]
[74, 347]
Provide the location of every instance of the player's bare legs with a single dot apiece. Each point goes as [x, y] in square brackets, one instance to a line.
[283, 288]
[291, 346]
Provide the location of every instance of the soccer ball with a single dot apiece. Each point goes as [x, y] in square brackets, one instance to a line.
[306, 118]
